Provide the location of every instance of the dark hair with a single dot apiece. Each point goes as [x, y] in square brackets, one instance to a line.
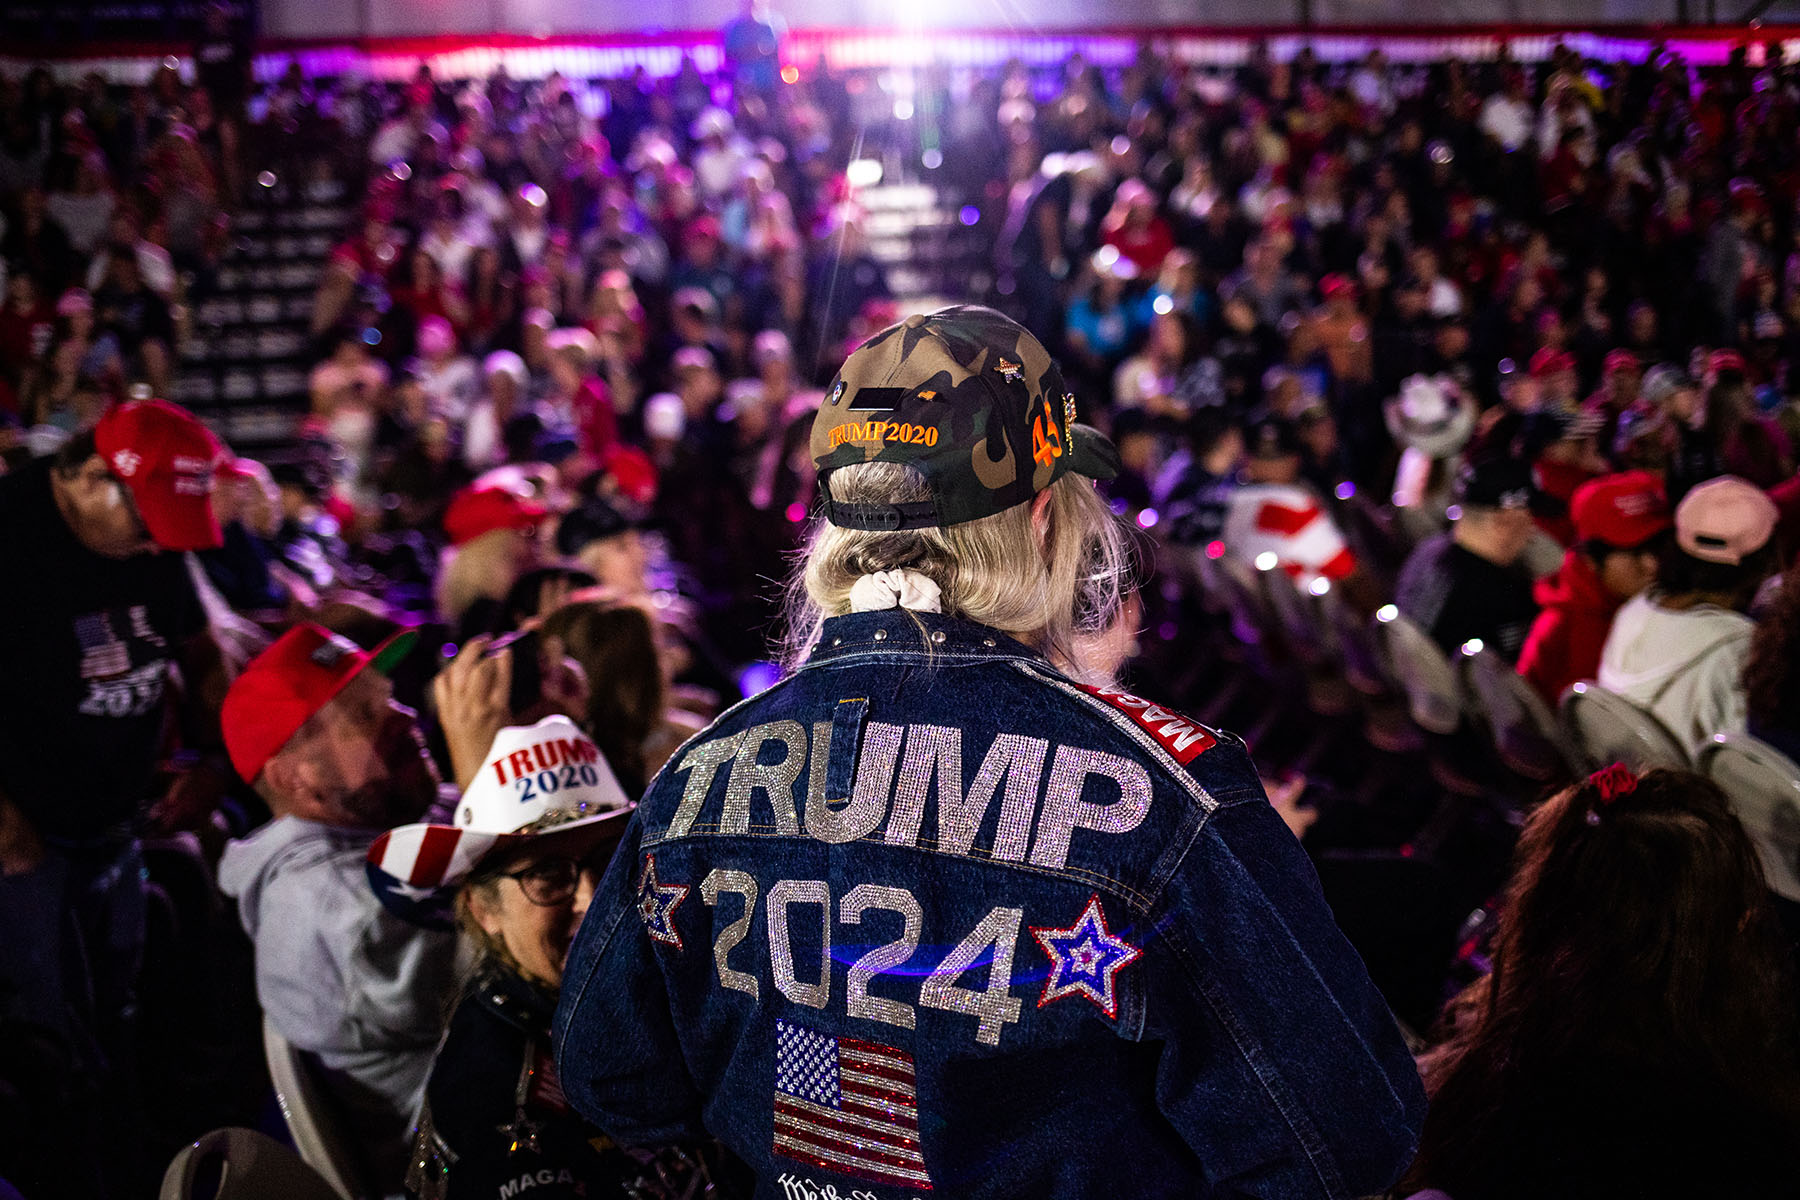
[1637, 949]
[1598, 548]
[524, 597]
[616, 646]
[1769, 676]
[1680, 573]
[73, 454]
[1730, 409]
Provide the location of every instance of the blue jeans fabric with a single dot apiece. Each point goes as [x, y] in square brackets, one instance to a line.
[930, 918]
[72, 939]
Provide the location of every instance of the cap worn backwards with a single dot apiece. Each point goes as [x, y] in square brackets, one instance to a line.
[972, 401]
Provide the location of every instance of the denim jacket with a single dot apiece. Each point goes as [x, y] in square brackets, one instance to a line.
[929, 918]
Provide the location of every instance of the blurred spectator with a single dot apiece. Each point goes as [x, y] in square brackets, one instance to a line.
[450, 380]
[1465, 584]
[493, 532]
[137, 318]
[1619, 521]
[628, 711]
[85, 210]
[1274, 522]
[1678, 649]
[1771, 681]
[1431, 419]
[1622, 1046]
[106, 618]
[1135, 229]
[752, 43]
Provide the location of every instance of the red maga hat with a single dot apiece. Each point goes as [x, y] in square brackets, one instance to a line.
[167, 460]
[1624, 510]
[281, 689]
[478, 510]
[1549, 361]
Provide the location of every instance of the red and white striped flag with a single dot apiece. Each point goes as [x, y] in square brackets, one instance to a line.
[849, 1106]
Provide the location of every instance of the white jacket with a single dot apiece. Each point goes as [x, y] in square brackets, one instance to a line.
[1686, 667]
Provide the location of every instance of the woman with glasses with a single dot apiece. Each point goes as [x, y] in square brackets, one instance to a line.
[533, 834]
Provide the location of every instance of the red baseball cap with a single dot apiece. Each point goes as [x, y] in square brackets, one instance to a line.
[1621, 360]
[1333, 285]
[281, 688]
[1624, 510]
[1549, 361]
[633, 472]
[1725, 360]
[166, 459]
[478, 510]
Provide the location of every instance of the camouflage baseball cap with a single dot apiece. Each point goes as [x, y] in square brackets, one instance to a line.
[969, 398]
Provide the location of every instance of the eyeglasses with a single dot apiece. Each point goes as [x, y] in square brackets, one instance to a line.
[552, 881]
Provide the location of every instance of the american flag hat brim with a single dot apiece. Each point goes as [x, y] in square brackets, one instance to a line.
[439, 856]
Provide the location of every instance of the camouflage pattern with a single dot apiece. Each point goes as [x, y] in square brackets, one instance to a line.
[968, 397]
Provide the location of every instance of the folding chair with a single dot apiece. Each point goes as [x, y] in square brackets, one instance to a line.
[241, 1164]
[1296, 611]
[311, 1119]
[1604, 727]
[1763, 785]
[1433, 692]
[1526, 736]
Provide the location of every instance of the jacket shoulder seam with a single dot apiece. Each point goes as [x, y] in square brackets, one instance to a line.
[1171, 767]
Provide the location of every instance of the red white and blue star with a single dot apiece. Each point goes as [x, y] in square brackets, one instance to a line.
[1085, 959]
[657, 902]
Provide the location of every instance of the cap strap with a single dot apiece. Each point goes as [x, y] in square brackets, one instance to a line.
[882, 518]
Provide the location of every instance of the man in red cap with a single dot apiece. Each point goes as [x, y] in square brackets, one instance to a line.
[98, 608]
[313, 726]
[1554, 370]
[1620, 376]
[1619, 525]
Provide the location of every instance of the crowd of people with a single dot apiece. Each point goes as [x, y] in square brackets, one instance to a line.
[1508, 349]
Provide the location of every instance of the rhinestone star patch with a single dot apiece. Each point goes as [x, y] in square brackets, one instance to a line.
[657, 902]
[1085, 959]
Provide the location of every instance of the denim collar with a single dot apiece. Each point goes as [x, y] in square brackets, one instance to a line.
[901, 633]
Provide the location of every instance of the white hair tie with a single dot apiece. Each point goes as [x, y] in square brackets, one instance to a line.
[895, 589]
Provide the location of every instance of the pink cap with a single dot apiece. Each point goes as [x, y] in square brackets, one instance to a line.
[1725, 520]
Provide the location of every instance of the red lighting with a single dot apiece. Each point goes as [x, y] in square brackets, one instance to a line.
[790, 74]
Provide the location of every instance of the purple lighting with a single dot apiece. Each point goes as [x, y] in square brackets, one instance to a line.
[970, 214]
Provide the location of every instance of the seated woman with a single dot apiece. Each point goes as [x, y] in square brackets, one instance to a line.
[1678, 649]
[528, 848]
[1637, 1037]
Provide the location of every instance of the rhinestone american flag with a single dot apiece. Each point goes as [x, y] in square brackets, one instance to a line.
[849, 1106]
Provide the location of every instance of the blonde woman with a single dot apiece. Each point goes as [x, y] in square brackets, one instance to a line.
[493, 541]
[947, 909]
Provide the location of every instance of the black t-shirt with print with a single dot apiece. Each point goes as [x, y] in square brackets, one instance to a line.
[1456, 595]
[90, 641]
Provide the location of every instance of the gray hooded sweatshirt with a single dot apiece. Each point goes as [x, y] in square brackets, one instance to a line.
[339, 976]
